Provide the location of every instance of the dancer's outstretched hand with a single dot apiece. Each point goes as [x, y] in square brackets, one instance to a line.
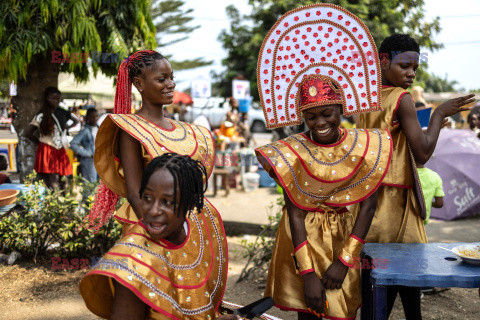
[333, 278]
[453, 106]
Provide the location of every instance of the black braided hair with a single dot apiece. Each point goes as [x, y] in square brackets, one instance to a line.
[188, 175]
[141, 60]
[397, 43]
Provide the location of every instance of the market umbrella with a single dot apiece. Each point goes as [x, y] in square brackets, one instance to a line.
[181, 97]
[457, 160]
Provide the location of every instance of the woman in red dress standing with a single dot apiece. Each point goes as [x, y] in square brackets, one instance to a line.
[51, 160]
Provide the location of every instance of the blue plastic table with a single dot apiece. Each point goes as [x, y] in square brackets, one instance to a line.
[413, 265]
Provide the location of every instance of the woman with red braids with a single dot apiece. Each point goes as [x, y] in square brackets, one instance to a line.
[126, 142]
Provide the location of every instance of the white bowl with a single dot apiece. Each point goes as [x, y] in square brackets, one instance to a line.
[459, 252]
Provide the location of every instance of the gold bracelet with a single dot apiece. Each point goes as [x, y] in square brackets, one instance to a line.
[303, 259]
[351, 250]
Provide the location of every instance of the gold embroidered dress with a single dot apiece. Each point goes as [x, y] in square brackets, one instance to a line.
[183, 138]
[321, 55]
[184, 281]
[400, 206]
[323, 180]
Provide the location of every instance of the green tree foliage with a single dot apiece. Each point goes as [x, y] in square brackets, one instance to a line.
[383, 17]
[171, 20]
[31, 30]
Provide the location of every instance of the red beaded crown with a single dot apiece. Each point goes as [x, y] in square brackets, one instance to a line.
[317, 55]
[318, 91]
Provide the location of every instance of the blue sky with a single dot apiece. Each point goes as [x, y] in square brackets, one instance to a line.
[460, 22]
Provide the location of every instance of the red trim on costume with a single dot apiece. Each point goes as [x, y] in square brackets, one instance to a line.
[214, 155]
[135, 291]
[133, 136]
[194, 139]
[344, 262]
[124, 220]
[220, 221]
[156, 125]
[306, 311]
[396, 108]
[380, 180]
[207, 276]
[307, 271]
[342, 210]
[357, 238]
[354, 171]
[327, 145]
[300, 246]
[144, 144]
[397, 185]
[116, 159]
[286, 189]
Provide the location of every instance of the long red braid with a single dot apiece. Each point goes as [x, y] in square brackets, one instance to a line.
[105, 199]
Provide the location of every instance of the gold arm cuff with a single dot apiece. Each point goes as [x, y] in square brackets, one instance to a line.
[351, 251]
[303, 259]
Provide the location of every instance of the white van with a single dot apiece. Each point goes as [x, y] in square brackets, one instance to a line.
[215, 110]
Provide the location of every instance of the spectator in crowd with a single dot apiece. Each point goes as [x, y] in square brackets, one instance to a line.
[3, 168]
[474, 120]
[50, 124]
[233, 115]
[84, 145]
[431, 184]
[244, 130]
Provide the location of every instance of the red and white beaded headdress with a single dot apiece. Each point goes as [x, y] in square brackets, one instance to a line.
[317, 55]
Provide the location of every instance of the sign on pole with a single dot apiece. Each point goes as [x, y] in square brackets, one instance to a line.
[241, 89]
[201, 89]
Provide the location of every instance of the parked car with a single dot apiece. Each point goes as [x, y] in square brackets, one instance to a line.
[215, 110]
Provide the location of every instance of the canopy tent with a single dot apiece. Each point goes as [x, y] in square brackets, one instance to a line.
[100, 89]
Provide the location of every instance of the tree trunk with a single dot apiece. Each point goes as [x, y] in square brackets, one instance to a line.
[41, 73]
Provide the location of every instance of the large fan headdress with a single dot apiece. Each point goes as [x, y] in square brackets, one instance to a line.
[317, 55]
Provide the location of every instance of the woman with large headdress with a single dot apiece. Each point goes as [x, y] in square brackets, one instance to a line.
[317, 62]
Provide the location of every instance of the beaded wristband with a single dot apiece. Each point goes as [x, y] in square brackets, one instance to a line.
[303, 259]
[351, 250]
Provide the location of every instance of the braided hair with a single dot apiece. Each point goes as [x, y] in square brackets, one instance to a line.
[397, 43]
[133, 66]
[188, 177]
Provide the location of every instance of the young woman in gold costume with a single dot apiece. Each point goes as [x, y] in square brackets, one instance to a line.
[318, 62]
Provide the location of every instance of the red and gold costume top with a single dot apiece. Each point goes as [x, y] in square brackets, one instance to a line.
[184, 281]
[183, 138]
[339, 174]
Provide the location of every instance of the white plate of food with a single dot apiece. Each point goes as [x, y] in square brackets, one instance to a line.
[469, 253]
